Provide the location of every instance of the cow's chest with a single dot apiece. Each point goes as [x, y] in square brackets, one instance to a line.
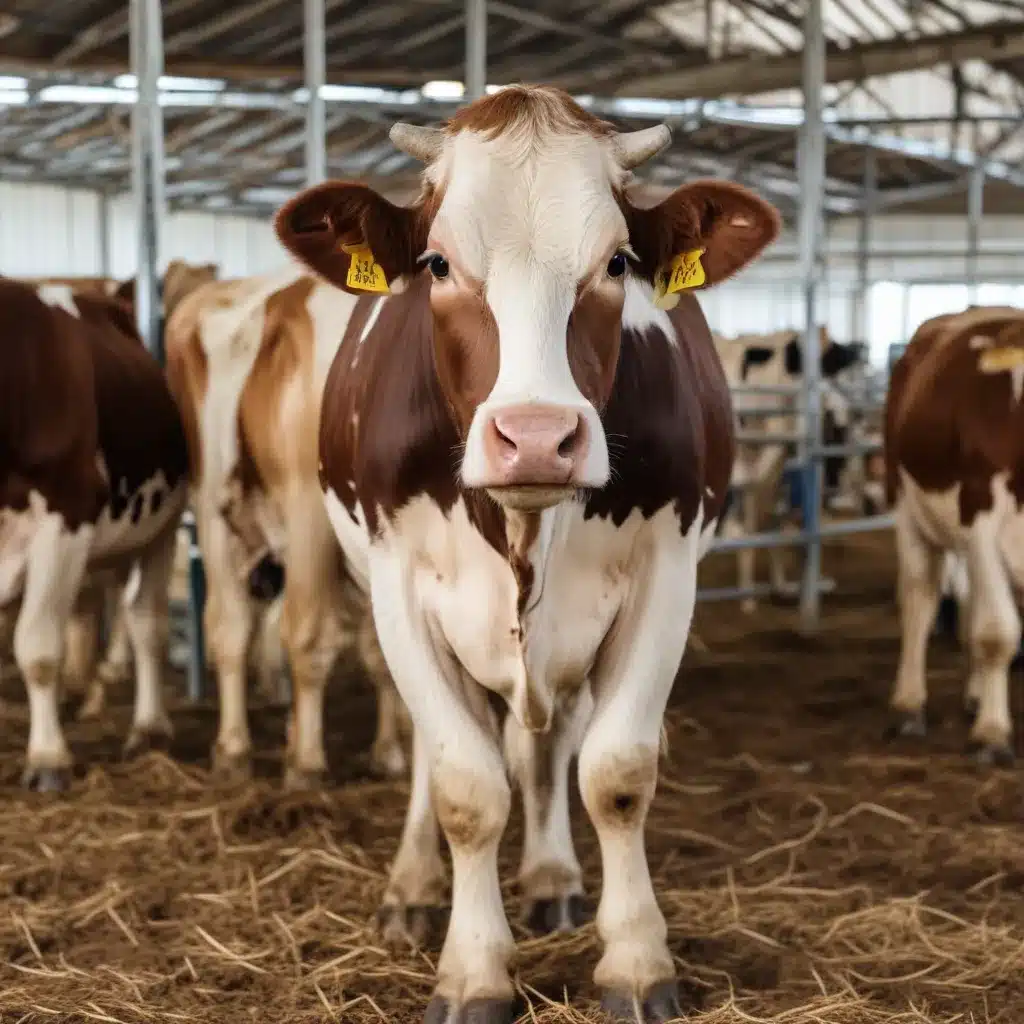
[540, 626]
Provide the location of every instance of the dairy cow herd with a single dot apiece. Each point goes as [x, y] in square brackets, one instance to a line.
[485, 439]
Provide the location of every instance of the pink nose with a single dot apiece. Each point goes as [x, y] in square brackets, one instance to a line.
[534, 445]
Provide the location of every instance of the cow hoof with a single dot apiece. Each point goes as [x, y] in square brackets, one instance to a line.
[405, 927]
[232, 769]
[660, 1004]
[476, 1011]
[145, 739]
[45, 779]
[387, 761]
[561, 914]
[971, 705]
[301, 780]
[906, 723]
[990, 755]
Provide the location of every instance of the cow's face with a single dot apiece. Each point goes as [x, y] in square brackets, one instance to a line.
[527, 240]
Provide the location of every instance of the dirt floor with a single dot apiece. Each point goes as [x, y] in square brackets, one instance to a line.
[809, 870]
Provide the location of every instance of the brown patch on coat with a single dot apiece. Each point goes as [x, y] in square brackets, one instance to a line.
[948, 423]
[73, 389]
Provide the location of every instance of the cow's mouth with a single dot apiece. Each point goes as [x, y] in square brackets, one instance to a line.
[531, 497]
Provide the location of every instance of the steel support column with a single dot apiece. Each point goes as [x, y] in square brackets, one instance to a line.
[315, 53]
[476, 49]
[148, 166]
[812, 201]
[859, 327]
[103, 231]
[975, 210]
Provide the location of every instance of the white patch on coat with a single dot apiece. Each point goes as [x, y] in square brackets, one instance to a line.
[59, 296]
[639, 313]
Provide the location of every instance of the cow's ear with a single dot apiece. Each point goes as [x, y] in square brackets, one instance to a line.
[727, 224]
[352, 236]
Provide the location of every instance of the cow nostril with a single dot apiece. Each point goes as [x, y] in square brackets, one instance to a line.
[568, 443]
[505, 443]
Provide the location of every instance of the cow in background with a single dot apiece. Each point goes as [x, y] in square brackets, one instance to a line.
[246, 360]
[94, 479]
[954, 453]
[776, 360]
[87, 670]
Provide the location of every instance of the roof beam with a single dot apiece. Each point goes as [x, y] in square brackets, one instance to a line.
[751, 75]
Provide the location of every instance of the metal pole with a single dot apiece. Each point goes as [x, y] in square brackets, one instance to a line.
[315, 46]
[975, 209]
[476, 49]
[860, 298]
[196, 601]
[812, 200]
[148, 166]
[103, 231]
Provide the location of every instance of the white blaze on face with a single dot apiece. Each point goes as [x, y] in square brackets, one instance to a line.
[530, 215]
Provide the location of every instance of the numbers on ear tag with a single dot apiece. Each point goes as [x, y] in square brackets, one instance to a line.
[365, 274]
[686, 271]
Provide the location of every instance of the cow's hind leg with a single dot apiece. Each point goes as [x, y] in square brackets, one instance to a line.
[920, 580]
[412, 906]
[618, 771]
[388, 754]
[549, 872]
[995, 631]
[227, 622]
[311, 632]
[55, 568]
[146, 604]
[116, 665]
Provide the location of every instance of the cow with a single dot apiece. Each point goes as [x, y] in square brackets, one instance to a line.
[524, 449]
[85, 675]
[954, 454]
[244, 359]
[93, 479]
[772, 361]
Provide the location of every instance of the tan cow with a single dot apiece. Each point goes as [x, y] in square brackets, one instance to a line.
[243, 362]
[954, 445]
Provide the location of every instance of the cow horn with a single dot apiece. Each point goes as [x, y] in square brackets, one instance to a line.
[633, 148]
[418, 141]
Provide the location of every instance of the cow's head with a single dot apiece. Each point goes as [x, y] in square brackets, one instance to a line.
[530, 243]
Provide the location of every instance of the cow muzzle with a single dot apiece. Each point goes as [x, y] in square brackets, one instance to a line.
[533, 454]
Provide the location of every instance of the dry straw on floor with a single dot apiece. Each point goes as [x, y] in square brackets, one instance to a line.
[809, 873]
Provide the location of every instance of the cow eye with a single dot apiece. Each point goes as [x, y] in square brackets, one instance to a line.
[438, 267]
[617, 265]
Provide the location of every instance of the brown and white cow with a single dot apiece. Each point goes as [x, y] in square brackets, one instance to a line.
[523, 458]
[246, 362]
[85, 673]
[954, 443]
[93, 479]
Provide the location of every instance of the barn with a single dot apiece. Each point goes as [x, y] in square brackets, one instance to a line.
[271, 749]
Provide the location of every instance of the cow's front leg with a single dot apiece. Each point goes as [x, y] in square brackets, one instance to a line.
[549, 872]
[471, 796]
[56, 564]
[146, 603]
[618, 770]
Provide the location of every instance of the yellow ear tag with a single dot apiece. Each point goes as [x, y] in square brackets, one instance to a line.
[365, 274]
[686, 271]
[997, 360]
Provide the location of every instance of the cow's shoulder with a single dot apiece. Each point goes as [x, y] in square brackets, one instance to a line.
[669, 420]
[48, 415]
